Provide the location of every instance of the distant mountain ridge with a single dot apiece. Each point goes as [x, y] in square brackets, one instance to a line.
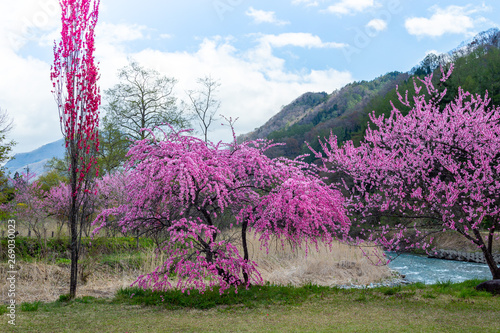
[345, 111]
[311, 109]
[36, 159]
[488, 38]
[289, 115]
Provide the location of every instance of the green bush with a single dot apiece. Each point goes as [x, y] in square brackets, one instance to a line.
[58, 248]
[63, 261]
[30, 307]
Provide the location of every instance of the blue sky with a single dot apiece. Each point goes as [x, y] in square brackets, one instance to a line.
[264, 53]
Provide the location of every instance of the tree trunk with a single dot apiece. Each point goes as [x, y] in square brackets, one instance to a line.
[488, 253]
[244, 227]
[137, 239]
[495, 270]
[73, 223]
[73, 248]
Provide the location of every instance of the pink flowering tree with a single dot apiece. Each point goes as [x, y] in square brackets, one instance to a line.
[57, 204]
[74, 76]
[112, 192]
[29, 207]
[435, 169]
[186, 187]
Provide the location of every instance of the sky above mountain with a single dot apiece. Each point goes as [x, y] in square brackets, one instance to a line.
[264, 53]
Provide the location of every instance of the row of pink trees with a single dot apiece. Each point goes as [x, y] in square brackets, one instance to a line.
[187, 188]
[33, 206]
[435, 169]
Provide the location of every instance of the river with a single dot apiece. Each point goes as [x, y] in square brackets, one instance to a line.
[419, 268]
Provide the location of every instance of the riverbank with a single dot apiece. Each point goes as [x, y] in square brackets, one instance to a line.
[453, 241]
[476, 257]
[451, 245]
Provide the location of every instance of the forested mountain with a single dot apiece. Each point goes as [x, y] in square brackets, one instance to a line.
[345, 112]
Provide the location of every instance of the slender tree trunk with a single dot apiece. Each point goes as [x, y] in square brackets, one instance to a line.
[74, 250]
[137, 239]
[73, 223]
[244, 228]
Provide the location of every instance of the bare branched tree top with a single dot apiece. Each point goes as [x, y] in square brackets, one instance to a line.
[143, 99]
[6, 122]
[204, 104]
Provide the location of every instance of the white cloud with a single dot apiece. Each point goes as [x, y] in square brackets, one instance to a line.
[25, 88]
[261, 16]
[450, 20]
[350, 6]
[119, 33]
[25, 92]
[299, 39]
[307, 3]
[24, 21]
[166, 36]
[255, 84]
[377, 25]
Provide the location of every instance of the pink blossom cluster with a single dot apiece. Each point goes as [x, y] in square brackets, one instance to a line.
[188, 187]
[74, 77]
[435, 169]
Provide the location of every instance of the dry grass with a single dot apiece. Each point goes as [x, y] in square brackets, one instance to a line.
[452, 240]
[44, 282]
[51, 225]
[343, 264]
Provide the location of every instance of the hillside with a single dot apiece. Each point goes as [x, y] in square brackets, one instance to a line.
[35, 159]
[345, 112]
[289, 115]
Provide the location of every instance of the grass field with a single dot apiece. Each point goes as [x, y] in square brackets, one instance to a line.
[443, 307]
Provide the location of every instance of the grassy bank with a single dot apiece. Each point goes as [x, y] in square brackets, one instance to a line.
[443, 307]
[113, 263]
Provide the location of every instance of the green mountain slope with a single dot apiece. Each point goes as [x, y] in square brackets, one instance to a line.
[345, 112]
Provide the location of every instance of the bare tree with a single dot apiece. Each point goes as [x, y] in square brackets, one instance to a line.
[6, 122]
[143, 99]
[203, 103]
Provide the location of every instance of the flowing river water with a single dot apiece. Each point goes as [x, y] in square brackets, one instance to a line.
[419, 268]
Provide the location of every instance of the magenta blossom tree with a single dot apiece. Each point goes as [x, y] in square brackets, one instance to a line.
[188, 188]
[74, 76]
[111, 192]
[435, 169]
[29, 207]
[57, 204]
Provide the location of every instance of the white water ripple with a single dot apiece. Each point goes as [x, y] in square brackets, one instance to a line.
[418, 268]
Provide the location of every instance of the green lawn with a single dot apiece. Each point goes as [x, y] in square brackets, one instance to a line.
[417, 308]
